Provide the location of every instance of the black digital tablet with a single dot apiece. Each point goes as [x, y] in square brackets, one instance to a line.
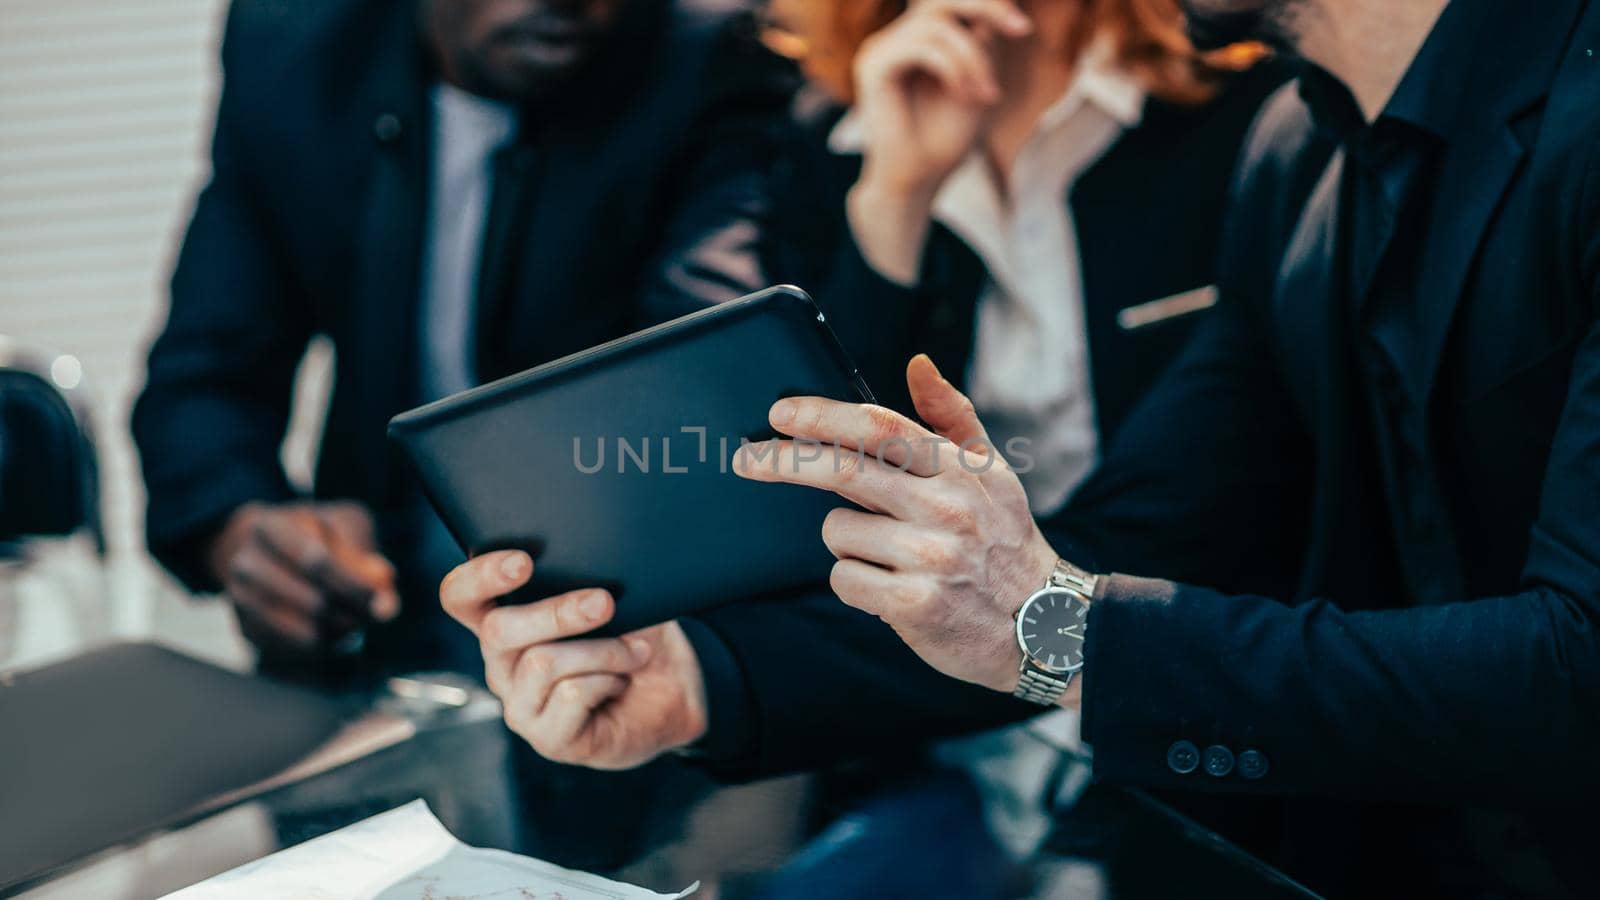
[612, 467]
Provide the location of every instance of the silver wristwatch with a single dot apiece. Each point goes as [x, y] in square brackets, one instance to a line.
[1051, 627]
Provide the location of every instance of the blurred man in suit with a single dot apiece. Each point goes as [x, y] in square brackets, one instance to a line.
[1359, 512]
[451, 190]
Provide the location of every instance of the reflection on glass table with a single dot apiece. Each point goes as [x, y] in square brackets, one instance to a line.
[661, 827]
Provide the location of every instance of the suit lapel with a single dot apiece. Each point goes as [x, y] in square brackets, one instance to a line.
[1307, 300]
[392, 108]
[1473, 181]
[1483, 158]
[1311, 322]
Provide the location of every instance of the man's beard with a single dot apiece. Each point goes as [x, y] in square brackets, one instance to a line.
[1267, 21]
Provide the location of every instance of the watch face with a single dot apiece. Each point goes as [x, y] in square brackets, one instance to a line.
[1050, 629]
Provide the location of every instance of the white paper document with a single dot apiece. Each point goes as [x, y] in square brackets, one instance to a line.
[406, 854]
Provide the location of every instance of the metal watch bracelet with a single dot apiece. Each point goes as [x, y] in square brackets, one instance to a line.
[1036, 687]
[1044, 688]
[1066, 575]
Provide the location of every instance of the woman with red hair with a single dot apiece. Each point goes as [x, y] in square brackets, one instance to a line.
[1031, 193]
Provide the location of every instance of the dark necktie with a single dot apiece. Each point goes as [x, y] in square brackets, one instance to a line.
[499, 269]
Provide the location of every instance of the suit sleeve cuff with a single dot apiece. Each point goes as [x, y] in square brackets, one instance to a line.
[1115, 703]
[180, 524]
[863, 307]
[728, 708]
[1150, 705]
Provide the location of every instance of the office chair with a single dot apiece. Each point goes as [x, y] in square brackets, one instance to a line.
[49, 477]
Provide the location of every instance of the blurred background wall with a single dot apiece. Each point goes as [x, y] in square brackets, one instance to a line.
[105, 117]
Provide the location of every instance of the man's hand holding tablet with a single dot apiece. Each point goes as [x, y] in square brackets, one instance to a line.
[606, 703]
[947, 560]
[949, 552]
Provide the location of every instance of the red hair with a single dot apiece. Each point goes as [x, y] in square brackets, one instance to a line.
[1146, 37]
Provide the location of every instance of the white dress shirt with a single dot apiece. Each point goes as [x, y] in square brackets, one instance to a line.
[467, 130]
[1029, 375]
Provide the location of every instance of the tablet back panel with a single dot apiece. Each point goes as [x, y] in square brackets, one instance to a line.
[612, 466]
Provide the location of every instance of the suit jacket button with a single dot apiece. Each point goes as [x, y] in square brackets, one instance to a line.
[1183, 757]
[1253, 765]
[1219, 761]
[386, 128]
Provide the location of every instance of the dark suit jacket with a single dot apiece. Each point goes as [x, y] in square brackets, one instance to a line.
[649, 185]
[1179, 159]
[1242, 473]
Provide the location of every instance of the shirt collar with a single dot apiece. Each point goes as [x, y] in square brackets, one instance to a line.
[457, 110]
[1099, 81]
[1431, 93]
[1102, 83]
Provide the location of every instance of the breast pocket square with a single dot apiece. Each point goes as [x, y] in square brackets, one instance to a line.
[1167, 308]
